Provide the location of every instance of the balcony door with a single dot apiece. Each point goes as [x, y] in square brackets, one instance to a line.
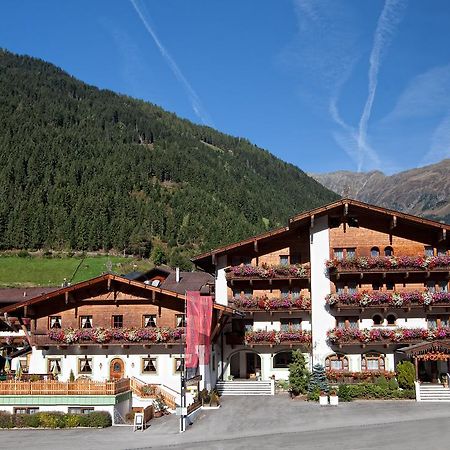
[116, 369]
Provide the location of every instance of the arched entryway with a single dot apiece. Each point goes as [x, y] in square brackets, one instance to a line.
[116, 369]
[245, 365]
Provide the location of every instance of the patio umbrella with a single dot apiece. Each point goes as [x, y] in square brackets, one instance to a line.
[7, 367]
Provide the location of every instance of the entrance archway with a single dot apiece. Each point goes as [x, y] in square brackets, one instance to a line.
[246, 365]
[116, 369]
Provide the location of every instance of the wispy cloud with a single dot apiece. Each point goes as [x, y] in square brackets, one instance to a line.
[440, 142]
[427, 94]
[390, 17]
[196, 103]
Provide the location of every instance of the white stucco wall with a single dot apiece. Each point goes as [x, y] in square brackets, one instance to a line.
[322, 320]
[221, 291]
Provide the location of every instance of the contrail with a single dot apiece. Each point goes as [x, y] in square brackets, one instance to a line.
[389, 19]
[193, 97]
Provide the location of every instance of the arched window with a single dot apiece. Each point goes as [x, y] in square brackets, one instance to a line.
[372, 361]
[282, 360]
[374, 251]
[336, 362]
[390, 319]
[377, 320]
[388, 251]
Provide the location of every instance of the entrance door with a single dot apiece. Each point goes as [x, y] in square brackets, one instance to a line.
[116, 369]
[428, 371]
[253, 365]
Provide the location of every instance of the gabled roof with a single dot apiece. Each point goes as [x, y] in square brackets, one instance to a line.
[359, 213]
[65, 297]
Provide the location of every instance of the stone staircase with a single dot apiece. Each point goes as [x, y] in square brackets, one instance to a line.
[432, 393]
[244, 387]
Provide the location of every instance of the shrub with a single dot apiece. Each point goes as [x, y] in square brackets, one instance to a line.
[72, 420]
[5, 420]
[49, 419]
[101, 419]
[318, 380]
[23, 254]
[314, 395]
[393, 384]
[298, 374]
[382, 382]
[406, 374]
[344, 393]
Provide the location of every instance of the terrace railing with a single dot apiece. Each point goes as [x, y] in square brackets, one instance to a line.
[265, 303]
[52, 387]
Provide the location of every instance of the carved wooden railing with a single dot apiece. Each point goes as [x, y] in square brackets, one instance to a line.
[146, 390]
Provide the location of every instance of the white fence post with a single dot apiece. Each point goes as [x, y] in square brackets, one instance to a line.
[272, 386]
[417, 387]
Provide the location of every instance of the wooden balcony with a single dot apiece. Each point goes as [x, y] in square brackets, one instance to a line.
[294, 338]
[407, 300]
[252, 304]
[52, 387]
[102, 337]
[268, 274]
[386, 336]
[416, 268]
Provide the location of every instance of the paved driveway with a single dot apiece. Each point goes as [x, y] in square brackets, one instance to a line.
[266, 423]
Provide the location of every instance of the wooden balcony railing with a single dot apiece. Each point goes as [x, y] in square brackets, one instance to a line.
[385, 335]
[378, 299]
[390, 264]
[145, 390]
[267, 272]
[265, 303]
[108, 336]
[51, 387]
[271, 337]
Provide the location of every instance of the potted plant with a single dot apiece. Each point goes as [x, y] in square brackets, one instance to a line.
[160, 406]
[444, 380]
[334, 399]
[323, 398]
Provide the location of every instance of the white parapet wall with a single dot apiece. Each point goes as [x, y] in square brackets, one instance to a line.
[322, 320]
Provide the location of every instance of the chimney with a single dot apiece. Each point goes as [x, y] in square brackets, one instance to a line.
[177, 274]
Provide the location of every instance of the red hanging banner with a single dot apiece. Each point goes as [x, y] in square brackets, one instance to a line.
[198, 329]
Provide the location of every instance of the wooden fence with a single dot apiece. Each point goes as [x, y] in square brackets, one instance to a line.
[144, 390]
[51, 387]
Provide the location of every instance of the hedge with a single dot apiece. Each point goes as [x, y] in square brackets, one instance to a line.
[96, 419]
[349, 392]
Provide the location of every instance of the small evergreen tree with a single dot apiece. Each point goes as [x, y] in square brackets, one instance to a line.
[406, 374]
[318, 381]
[298, 374]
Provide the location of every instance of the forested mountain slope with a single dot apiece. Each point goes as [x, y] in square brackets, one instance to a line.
[88, 169]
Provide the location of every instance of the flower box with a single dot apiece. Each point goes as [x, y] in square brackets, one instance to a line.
[323, 400]
[268, 271]
[334, 400]
[265, 303]
[277, 337]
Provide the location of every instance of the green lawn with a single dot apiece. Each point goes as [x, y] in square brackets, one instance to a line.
[40, 271]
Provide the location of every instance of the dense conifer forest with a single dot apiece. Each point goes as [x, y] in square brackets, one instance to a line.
[87, 169]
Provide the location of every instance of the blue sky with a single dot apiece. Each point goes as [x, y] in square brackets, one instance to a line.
[324, 84]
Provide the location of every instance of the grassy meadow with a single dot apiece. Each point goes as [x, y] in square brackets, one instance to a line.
[16, 271]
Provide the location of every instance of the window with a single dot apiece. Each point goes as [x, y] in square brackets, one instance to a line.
[180, 320]
[390, 285]
[376, 286]
[336, 362]
[431, 285]
[248, 292]
[54, 365]
[372, 361]
[441, 251]
[150, 321]
[352, 288]
[241, 326]
[85, 321]
[282, 360]
[351, 252]
[236, 293]
[443, 286]
[117, 321]
[377, 320]
[55, 322]
[148, 365]
[25, 410]
[390, 319]
[374, 252]
[284, 259]
[296, 292]
[290, 324]
[388, 251]
[80, 409]
[429, 251]
[296, 258]
[85, 365]
[284, 292]
[340, 288]
[178, 362]
[347, 322]
[238, 260]
[437, 321]
[338, 253]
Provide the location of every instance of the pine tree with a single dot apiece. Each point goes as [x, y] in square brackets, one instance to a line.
[318, 381]
[298, 374]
